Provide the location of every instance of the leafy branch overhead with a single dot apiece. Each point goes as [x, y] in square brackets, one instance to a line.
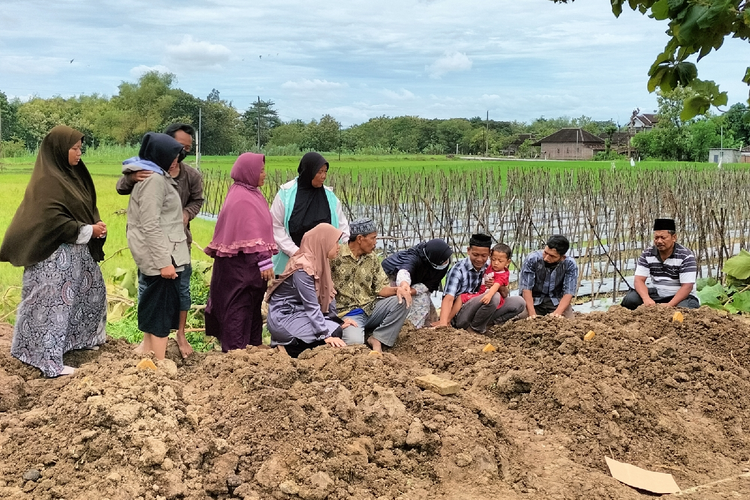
[695, 28]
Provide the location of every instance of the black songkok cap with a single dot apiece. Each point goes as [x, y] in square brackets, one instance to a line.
[665, 225]
[480, 240]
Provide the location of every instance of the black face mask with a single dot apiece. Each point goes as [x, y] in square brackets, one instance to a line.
[551, 266]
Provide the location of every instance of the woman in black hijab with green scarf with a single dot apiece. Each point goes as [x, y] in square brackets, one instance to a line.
[57, 235]
[300, 205]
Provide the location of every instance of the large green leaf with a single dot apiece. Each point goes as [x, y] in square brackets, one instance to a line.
[741, 301]
[686, 73]
[694, 106]
[713, 296]
[701, 283]
[660, 10]
[738, 266]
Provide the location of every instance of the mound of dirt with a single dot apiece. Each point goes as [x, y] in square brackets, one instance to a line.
[533, 419]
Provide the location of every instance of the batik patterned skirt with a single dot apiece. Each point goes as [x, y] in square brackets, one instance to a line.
[63, 307]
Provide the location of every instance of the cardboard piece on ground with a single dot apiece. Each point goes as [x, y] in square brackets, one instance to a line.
[655, 482]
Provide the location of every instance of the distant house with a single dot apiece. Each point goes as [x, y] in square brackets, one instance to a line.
[620, 141]
[643, 122]
[570, 144]
[726, 155]
[512, 148]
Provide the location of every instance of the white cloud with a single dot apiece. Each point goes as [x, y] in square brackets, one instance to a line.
[451, 61]
[400, 95]
[30, 65]
[198, 53]
[305, 85]
[139, 71]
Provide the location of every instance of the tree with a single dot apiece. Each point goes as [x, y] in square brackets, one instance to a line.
[323, 135]
[143, 105]
[736, 123]
[695, 27]
[221, 125]
[288, 134]
[8, 111]
[454, 132]
[260, 115]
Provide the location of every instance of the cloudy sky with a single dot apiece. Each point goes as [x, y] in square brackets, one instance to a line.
[354, 59]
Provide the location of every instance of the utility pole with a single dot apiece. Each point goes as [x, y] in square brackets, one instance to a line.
[198, 139]
[258, 108]
[487, 135]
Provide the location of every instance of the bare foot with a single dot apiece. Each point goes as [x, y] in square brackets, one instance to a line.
[140, 349]
[67, 370]
[375, 344]
[185, 348]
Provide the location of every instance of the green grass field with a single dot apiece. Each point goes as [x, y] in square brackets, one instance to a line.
[105, 169]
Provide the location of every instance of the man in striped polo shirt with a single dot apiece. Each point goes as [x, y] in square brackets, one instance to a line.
[672, 269]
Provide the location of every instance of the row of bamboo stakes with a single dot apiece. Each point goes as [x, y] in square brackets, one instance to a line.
[606, 213]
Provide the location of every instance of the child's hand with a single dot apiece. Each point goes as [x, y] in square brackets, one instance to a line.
[486, 298]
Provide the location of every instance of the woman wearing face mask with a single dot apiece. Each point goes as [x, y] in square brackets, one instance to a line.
[300, 205]
[419, 270]
[57, 235]
[157, 240]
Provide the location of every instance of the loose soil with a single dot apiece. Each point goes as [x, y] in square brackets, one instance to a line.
[533, 419]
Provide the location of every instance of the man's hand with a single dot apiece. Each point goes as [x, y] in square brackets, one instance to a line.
[267, 274]
[489, 279]
[439, 324]
[185, 218]
[348, 322]
[168, 272]
[486, 298]
[140, 175]
[405, 294]
[335, 342]
[649, 302]
[556, 314]
[531, 316]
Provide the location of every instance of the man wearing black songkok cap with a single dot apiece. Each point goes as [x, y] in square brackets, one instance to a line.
[672, 269]
[466, 277]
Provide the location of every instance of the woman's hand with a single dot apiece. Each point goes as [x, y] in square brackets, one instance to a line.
[99, 230]
[335, 342]
[168, 273]
[403, 292]
[348, 322]
[267, 274]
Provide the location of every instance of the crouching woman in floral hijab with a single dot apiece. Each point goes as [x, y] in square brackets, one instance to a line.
[57, 236]
[301, 305]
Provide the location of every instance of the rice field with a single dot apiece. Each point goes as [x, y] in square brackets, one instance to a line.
[599, 205]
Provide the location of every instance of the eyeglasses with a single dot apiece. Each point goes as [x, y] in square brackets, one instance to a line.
[182, 155]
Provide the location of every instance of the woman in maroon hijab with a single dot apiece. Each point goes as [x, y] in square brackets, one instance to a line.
[242, 248]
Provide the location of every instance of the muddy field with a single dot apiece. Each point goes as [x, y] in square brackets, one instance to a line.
[533, 419]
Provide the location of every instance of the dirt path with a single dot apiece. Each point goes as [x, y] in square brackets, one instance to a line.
[533, 419]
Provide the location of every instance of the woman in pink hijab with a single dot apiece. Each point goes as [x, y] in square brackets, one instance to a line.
[242, 248]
